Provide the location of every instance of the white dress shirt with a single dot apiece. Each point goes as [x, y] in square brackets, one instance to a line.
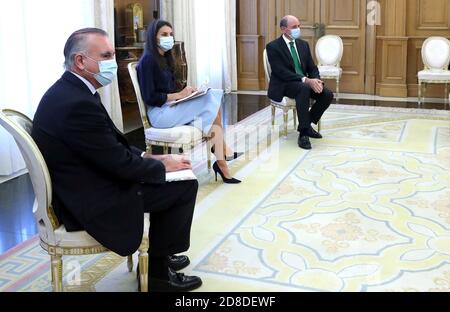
[86, 82]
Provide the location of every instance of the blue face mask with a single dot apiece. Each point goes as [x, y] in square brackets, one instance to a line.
[166, 43]
[296, 33]
[107, 71]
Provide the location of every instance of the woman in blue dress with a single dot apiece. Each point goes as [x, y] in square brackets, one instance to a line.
[157, 82]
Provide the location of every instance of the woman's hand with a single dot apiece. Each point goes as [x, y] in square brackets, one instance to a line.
[186, 92]
[181, 95]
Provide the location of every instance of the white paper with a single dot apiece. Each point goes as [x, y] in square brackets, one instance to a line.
[202, 90]
[181, 175]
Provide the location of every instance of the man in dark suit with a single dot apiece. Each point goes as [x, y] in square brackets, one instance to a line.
[295, 75]
[103, 185]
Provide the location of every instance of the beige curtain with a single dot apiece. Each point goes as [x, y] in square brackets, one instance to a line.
[208, 29]
[104, 19]
[166, 10]
[32, 37]
[181, 14]
[231, 55]
[22, 27]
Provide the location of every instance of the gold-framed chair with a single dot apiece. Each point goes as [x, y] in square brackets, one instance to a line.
[185, 137]
[286, 104]
[329, 51]
[53, 236]
[436, 59]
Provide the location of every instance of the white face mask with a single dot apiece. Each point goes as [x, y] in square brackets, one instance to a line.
[107, 71]
[296, 33]
[166, 43]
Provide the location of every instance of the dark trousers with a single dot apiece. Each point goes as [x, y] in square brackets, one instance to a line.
[171, 208]
[302, 93]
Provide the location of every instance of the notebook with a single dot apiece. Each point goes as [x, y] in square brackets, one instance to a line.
[202, 90]
[182, 175]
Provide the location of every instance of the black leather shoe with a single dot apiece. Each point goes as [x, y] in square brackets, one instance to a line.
[229, 158]
[303, 142]
[174, 262]
[235, 156]
[217, 170]
[175, 282]
[314, 134]
[177, 263]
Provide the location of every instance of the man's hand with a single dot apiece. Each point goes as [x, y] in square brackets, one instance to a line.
[176, 163]
[156, 157]
[315, 84]
[172, 162]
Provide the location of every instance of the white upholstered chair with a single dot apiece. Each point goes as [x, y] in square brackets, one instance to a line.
[329, 51]
[436, 58]
[185, 137]
[53, 236]
[286, 104]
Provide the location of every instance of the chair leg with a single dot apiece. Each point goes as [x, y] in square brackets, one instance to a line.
[295, 118]
[286, 118]
[208, 154]
[257, 142]
[337, 90]
[56, 268]
[446, 98]
[149, 149]
[273, 115]
[424, 93]
[419, 92]
[143, 269]
[130, 263]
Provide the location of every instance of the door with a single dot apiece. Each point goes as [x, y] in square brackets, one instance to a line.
[345, 18]
[425, 18]
[308, 12]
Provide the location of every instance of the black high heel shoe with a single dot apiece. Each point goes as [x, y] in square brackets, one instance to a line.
[225, 180]
[230, 158]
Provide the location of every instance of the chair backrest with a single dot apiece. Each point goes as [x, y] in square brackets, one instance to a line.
[329, 50]
[22, 120]
[436, 53]
[267, 68]
[137, 89]
[37, 168]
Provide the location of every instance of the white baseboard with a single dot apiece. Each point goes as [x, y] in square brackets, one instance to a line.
[352, 96]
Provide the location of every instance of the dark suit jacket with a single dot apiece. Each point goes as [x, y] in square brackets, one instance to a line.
[283, 68]
[155, 82]
[96, 176]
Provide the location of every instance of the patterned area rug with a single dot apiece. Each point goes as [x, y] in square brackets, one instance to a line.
[367, 209]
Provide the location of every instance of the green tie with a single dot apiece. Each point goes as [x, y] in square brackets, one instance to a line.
[298, 68]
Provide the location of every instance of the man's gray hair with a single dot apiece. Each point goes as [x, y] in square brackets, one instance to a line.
[77, 43]
[284, 22]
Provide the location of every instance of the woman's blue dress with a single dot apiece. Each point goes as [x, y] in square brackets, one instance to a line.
[156, 80]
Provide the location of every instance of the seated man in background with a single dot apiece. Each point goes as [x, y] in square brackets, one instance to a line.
[295, 75]
[100, 183]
